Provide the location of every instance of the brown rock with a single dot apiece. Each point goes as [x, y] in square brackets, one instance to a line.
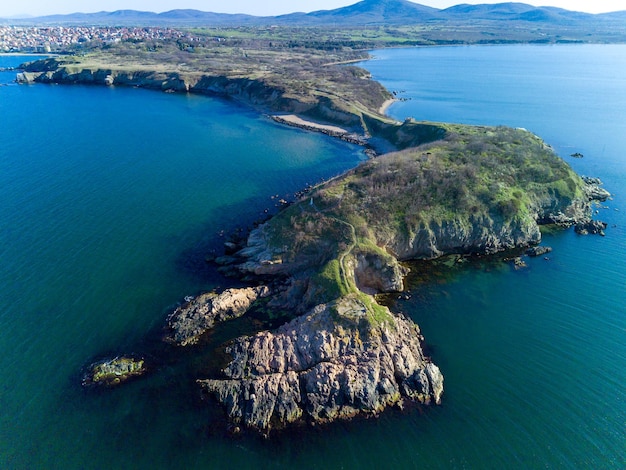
[189, 321]
[333, 363]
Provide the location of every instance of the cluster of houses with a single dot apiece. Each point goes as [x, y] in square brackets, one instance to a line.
[59, 38]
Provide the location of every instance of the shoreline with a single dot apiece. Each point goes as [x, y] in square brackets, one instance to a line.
[296, 121]
[385, 106]
[29, 54]
[293, 120]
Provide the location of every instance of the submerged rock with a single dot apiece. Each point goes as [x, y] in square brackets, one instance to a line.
[114, 371]
[517, 262]
[538, 250]
[338, 361]
[197, 315]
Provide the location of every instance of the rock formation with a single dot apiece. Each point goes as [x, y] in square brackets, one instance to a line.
[192, 319]
[538, 250]
[374, 273]
[337, 361]
[594, 191]
[114, 371]
[590, 227]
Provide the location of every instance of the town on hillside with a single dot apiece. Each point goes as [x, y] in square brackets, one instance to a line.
[48, 39]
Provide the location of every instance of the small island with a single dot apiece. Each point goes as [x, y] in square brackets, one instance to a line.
[429, 190]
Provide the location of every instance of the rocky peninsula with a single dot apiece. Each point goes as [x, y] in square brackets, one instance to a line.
[436, 189]
[478, 190]
[334, 362]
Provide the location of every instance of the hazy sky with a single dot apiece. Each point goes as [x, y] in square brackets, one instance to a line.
[255, 7]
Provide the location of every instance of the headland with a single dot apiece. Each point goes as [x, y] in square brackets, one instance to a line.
[434, 189]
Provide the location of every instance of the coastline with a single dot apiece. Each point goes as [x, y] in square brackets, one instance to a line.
[513, 343]
[293, 120]
[385, 106]
[29, 54]
[362, 311]
[296, 121]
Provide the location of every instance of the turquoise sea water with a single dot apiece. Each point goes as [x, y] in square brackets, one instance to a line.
[110, 197]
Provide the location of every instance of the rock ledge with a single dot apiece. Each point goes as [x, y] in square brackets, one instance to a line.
[191, 320]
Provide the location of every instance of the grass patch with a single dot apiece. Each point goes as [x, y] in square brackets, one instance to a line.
[328, 284]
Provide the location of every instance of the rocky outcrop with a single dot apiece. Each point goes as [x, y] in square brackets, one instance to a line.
[376, 273]
[191, 320]
[593, 190]
[110, 372]
[380, 272]
[538, 250]
[337, 361]
[590, 227]
[24, 78]
[481, 234]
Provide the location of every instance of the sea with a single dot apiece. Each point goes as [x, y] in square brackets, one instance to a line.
[111, 199]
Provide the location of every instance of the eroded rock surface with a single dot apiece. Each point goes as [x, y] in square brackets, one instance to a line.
[192, 319]
[374, 273]
[591, 227]
[593, 189]
[335, 362]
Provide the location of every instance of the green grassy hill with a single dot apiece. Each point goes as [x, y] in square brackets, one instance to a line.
[476, 190]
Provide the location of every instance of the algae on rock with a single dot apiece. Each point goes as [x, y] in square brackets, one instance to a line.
[114, 371]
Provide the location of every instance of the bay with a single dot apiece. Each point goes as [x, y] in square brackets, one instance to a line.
[110, 198]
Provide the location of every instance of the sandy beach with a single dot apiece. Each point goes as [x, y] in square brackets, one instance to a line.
[297, 121]
[383, 109]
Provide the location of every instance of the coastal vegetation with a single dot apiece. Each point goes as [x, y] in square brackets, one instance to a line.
[477, 190]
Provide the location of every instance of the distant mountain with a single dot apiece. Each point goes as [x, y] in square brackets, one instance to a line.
[142, 18]
[496, 11]
[514, 12]
[202, 16]
[616, 15]
[368, 12]
[365, 12]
